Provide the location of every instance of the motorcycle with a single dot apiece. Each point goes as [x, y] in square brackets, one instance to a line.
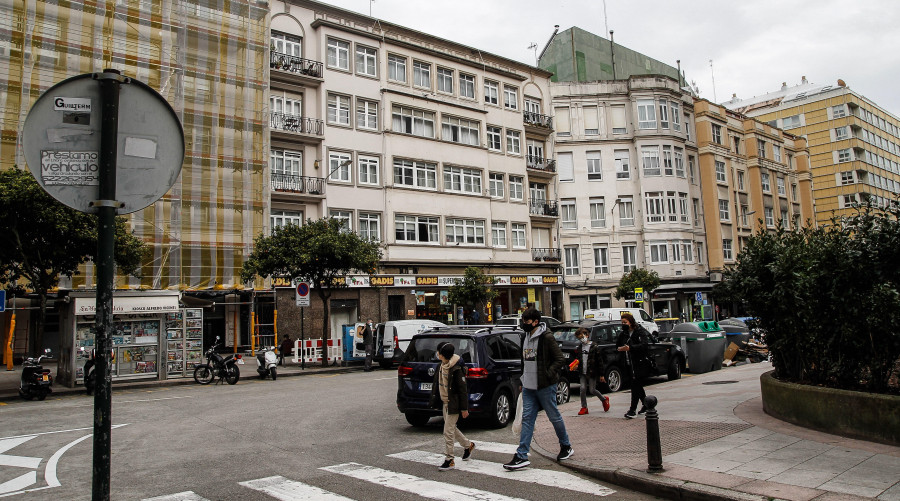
[266, 360]
[217, 366]
[90, 375]
[36, 380]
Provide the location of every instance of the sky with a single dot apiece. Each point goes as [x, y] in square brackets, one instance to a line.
[754, 46]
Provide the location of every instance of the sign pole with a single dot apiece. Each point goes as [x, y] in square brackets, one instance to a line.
[106, 269]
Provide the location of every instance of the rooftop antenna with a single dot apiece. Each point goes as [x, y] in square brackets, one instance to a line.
[533, 46]
[711, 72]
[605, 24]
[370, 7]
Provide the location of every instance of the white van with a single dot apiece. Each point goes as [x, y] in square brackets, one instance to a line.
[393, 336]
[641, 316]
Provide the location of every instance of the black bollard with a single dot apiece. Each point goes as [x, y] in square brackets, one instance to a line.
[654, 448]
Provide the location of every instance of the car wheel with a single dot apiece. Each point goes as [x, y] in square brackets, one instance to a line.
[613, 379]
[562, 392]
[675, 369]
[385, 364]
[417, 419]
[501, 410]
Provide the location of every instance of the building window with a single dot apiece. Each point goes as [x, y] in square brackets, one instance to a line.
[623, 171]
[411, 121]
[717, 133]
[848, 200]
[537, 191]
[663, 114]
[659, 252]
[626, 211]
[280, 218]
[650, 157]
[421, 74]
[366, 61]
[339, 166]
[723, 210]
[840, 133]
[445, 80]
[676, 115]
[397, 68]
[286, 162]
[736, 143]
[720, 173]
[646, 114]
[838, 111]
[370, 226]
[618, 119]
[629, 258]
[462, 180]
[847, 177]
[844, 155]
[668, 166]
[740, 180]
[656, 211]
[532, 106]
[687, 127]
[766, 187]
[563, 121]
[416, 229]
[591, 121]
[598, 213]
[516, 188]
[465, 231]
[338, 109]
[367, 114]
[518, 235]
[573, 266]
[785, 221]
[594, 172]
[726, 249]
[498, 234]
[679, 162]
[567, 211]
[338, 54]
[513, 142]
[794, 192]
[510, 98]
[776, 152]
[779, 184]
[459, 130]
[368, 170]
[493, 138]
[790, 122]
[466, 86]
[683, 208]
[699, 253]
[695, 207]
[415, 174]
[287, 44]
[745, 218]
[691, 167]
[491, 92]
[769, 216]
[761, 148]
[344, 216]
[495, 185]
[601, 260]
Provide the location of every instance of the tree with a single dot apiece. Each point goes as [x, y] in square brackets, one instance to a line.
[47, 239]
[473, 288]
[321, 252]
[637, 278]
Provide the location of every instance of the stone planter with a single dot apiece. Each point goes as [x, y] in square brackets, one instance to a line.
[854, 414]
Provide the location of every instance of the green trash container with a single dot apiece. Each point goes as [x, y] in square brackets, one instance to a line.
[703, 343]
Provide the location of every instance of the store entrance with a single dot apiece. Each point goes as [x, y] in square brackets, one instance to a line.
[429, 307]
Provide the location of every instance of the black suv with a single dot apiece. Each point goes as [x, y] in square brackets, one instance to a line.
[493, 358]
[668, 359]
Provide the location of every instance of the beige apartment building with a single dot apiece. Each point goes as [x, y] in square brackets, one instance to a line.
[754, 177]
[854, 144]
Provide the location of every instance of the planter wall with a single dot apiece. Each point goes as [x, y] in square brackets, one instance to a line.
[854, 414]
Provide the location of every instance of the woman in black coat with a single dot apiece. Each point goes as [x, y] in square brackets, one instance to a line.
[634, 341]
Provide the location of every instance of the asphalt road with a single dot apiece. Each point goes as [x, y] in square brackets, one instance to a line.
[340, 434]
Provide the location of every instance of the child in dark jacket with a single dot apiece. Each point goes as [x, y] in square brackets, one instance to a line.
[450, 391]
[591, 369]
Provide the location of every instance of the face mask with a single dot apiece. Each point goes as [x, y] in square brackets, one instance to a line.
[525, 327]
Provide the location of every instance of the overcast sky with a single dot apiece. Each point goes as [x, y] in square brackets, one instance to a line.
[754, 45]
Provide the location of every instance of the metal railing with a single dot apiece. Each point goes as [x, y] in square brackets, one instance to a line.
[545, 254]
[532, 118]
[540, 163]
[296, 123]
[297, 184]
[544, 208]
[295, 64]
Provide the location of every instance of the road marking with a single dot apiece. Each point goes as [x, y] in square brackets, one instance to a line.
[58, 431]
[18, 483]
[289, 490]
[133, 401]
[496, 447]
[17, 461]
[550, 478]
[408, 483]
[181, 496]
[384, 378]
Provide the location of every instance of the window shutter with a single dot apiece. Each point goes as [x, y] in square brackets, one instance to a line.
[562, 121]
[566, 167]
[618, 118]
[591, 120]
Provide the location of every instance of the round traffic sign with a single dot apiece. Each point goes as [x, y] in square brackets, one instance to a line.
[302, 289]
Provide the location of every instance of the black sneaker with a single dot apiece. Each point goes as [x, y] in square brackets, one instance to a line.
[565, 453]
[643, 410]
[517, 463]
[468, 452]
[630, 415]
[448, 465]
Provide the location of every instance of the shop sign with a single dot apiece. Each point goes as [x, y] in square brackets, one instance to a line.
[405, 281]
[445, 298]
[381, 281]
[432, 280]
[518, 280]
[281, 282]
[358, 281]
[535, 280]
[504, 280]
[125, 305]
[420, 298]
[551, 280]
[530, 295]
[448, 281]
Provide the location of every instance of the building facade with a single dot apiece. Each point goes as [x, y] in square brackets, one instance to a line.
[854, 144]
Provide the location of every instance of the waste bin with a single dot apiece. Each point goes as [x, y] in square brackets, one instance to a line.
[736, 331]
[703, 343]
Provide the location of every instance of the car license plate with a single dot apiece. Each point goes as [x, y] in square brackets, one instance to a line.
[45, 377]
[425, 386]
[240, 362]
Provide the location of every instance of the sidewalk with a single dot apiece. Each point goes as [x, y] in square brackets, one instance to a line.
[717, 443]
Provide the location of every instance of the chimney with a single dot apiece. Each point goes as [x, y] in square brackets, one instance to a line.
[783, 85]
[803, 80]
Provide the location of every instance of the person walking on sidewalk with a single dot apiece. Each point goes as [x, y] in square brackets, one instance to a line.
[590, 369]
[449, 390]
[541, 362]
[369, 346]
[634, 341]
[284, 349]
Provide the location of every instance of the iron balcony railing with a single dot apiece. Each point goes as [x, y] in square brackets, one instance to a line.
[540, 163]
[295, 64]
[541, 207]
[545, 254]
[532, 118]
[296, 123]
[298, 184]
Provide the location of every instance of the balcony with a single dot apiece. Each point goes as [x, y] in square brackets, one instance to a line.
[294, 127]
[292, 183]
[290, 70]
[545, 254]
[543, 208]
[537, 123]
[545, 166]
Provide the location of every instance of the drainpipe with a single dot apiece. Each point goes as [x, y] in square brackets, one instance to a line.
[679, 72]
[612, 53]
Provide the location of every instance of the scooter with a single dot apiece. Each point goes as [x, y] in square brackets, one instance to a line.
[266, 360]
[36, 380]
[90, 376]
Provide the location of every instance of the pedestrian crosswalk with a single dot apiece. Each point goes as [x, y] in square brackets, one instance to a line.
[445, 489]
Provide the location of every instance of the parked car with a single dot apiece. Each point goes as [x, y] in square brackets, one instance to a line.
[515, 319]
[493, 358]
[393, 336]
[615, 314]
[668, 358]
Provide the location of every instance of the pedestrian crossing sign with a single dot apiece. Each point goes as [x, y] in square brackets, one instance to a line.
[639, 295]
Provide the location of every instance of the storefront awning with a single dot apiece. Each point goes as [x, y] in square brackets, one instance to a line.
[195, 302]
[685, 287]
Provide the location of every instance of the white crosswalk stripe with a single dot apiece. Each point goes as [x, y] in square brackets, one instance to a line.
[181, 496]
[288, 490]
[428, 489]
[549, 478]
[496, 447]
